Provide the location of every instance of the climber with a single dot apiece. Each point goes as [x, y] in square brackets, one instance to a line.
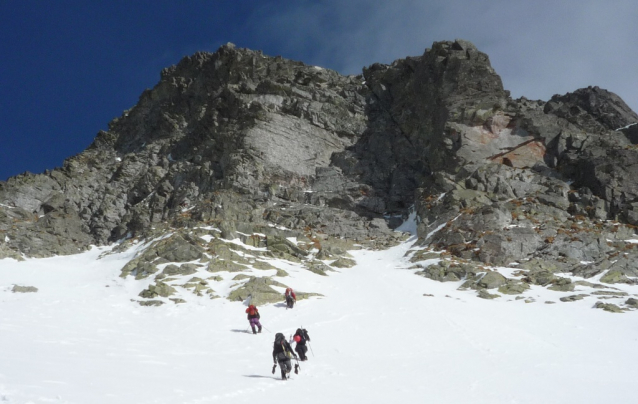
[253, 318]
[281, 353]
[301, 337]
[291, 298]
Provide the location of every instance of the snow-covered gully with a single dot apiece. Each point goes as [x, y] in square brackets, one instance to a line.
[380, 334]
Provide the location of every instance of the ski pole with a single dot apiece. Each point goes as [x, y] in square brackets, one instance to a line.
[311, 351]
[266, 329]
[297, 366]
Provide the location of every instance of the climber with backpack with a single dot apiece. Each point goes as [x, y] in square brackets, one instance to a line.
[253, 318]
[301, 337]
[291, 298]
[281, 353]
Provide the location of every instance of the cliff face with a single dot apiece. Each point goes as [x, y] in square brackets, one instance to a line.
[250, 143]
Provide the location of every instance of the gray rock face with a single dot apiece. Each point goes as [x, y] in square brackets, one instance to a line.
[264, 149]
[234, 137]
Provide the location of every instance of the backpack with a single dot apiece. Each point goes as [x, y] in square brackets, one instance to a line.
[303, 334]
[280, 340]
[252, 310]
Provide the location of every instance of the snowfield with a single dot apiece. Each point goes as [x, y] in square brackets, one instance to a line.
[377, 337]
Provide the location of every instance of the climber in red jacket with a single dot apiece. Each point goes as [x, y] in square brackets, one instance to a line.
[253, 318]
[291, 298]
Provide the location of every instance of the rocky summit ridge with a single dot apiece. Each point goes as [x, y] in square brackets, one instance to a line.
[302, 163]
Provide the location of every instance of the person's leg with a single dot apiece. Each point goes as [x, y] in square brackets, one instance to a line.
[282, 368]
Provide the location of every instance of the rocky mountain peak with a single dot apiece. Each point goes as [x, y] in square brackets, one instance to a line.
[593, 108]
[258, 145]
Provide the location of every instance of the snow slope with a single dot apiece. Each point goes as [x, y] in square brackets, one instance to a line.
[375, 339]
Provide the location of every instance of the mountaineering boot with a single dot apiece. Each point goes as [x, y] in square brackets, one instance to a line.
[259, 329]
[296, 369]
[254, 332]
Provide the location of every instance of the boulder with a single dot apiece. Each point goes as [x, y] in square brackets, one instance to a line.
[317, 267]
[259, 290]
[158, 289]
[184, 269]
[24, 289]
[484, 294]
[612, 308]
[541, 276]
[344, 263]
[562, 285]
[573, 298]
[631, 302]
[150, 303]
[513, 287]
[614, 276]
[491, 280]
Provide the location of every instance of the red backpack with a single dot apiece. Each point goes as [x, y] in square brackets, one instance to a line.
[252, 310]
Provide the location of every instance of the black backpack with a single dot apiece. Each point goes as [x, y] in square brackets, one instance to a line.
[280, 341]
[303, 333]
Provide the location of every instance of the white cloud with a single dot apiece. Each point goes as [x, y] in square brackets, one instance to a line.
[539, 48]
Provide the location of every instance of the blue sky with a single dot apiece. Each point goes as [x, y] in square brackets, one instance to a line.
[68, 67]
